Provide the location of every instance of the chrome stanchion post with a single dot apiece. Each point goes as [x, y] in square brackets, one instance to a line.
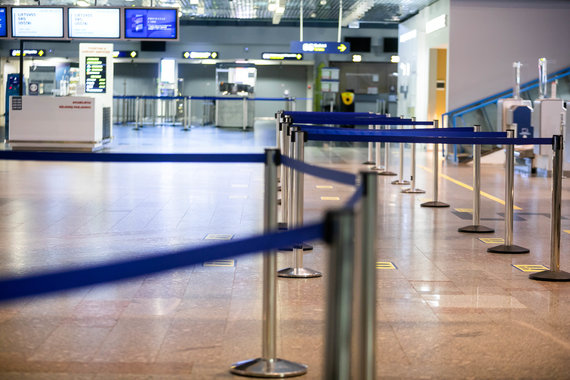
[435, 203]
[366, 368]
[476, 227]
[296, 211]
[412, 189]
[268, 365]
[401, 180]
[278, 130]
[244, 110]
[554, 273]
[137, 109]
[370, 160]
[339, 234]
[378, 165]
[509, 247]
[187, 113]
[386, 170]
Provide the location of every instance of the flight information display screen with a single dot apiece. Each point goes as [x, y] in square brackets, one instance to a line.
[3, 23]
[87, 22]
[160, 24]
[37, 22]
[96, 75]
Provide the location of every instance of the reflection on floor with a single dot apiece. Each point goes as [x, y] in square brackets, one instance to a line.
[447, 309]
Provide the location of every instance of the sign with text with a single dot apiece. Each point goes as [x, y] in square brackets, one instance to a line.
[282, 56]
[157, 23]
[320, 47]
[28, 52]
[125, 54]
[96, 75]
[200, 55]
[37, 22]
[87, 22]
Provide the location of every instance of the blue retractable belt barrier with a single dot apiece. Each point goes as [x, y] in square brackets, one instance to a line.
[350, 129]
[330, 174]
[355, 197]
[120, 270]
[134, 157]
[429, 140]
[358, 121]
[444, 132]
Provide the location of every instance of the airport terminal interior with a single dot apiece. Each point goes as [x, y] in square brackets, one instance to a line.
[444, 307]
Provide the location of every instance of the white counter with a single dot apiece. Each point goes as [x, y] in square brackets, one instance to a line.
[62, 123]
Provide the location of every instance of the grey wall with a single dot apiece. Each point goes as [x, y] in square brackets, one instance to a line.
[486, 37]
[135, 78]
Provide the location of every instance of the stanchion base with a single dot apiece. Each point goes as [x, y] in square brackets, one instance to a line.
[513, 249]
[398, 182]
[413, 191]
[298, 273]
[549, 275]
[387, 173]
[476, 229]
[282, 226]
[368, 163]
[186, 129]
[277, 368]
[436, 204]
[377, 168]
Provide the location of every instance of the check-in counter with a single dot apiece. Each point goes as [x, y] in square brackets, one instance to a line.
[58, 123]
[234, 112]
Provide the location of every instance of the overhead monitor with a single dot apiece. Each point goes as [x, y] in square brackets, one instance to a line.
[37, 22]
[3, 22]
[151, 23]
[88, 22]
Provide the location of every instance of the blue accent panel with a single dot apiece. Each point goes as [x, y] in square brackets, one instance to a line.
[522, 116]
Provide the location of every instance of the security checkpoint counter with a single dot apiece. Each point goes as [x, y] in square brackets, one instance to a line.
[58, 123]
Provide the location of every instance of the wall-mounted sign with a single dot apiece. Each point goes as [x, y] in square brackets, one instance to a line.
[28, 52]
[38, 22]
[282, 56]
[151, 23]
[200, 55]
[125, 54]
[320, 47]
[96, 75]
[86, 22]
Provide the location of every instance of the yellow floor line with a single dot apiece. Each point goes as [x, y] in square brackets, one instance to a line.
[486, 195]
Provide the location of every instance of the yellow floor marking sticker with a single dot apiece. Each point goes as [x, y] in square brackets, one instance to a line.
[492, 240]
[239, 185]
[464, 209]
[385, 265]
[330, 199]
[218, 237]
[567, 231]
[530, 268]
[464, 185]
[220, 263]
[324, 187]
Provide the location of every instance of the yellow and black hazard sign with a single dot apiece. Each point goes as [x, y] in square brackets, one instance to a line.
[347, 98]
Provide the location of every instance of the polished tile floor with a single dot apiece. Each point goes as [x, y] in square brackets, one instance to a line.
[448, 309]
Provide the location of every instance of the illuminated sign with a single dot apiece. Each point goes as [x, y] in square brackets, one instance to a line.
[125, 54]
[282, 56]
[37, 22]
[200, 55]
[28, 52]
[156, 23]
[3, 23]
[96, 75]
[87, 22]
[320, 47]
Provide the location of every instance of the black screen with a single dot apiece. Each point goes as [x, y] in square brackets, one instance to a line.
[153, 46]
[358, 44]
[390, 45]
